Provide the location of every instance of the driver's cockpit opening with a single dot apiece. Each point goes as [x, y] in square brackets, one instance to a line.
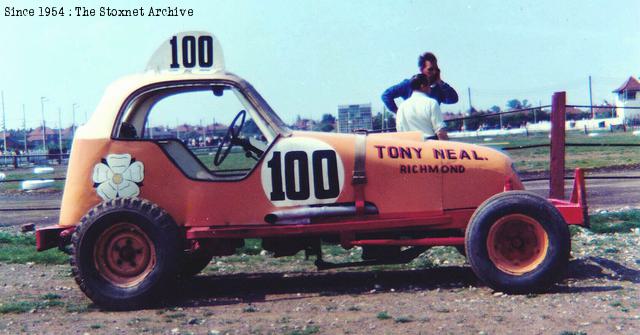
[208, 133]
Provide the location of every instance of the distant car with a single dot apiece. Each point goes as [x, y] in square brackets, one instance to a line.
[142, 209]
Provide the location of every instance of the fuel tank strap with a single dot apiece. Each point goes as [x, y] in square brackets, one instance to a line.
[359, 178]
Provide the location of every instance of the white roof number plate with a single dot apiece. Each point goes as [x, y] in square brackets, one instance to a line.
[191, 51]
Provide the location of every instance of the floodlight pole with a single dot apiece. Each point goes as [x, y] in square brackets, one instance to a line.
[384, 119]
[73, 124]
[44, 128]
[591, 99]
[24, 127]
[60, 131]
[4, 126]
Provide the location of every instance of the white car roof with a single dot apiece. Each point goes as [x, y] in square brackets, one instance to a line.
[101, 123]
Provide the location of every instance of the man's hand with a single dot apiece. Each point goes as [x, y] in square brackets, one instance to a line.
[442, 134]
[437, 79]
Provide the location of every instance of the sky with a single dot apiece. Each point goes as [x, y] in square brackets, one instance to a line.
[307, 57]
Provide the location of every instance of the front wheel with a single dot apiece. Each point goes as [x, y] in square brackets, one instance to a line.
[125, 253]
[517, 242]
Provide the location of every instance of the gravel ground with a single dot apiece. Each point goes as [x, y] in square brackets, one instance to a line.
[599, 296]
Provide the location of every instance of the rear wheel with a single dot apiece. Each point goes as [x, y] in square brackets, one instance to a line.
[517, 242]
[193, 262]
[125, 253]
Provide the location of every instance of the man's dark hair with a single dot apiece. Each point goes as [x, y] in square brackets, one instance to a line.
[418, 80]
[427, 56]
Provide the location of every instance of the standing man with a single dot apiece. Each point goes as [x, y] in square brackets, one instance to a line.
[421, 112]
[440, 91]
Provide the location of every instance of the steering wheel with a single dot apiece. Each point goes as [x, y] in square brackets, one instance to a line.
[231, 134]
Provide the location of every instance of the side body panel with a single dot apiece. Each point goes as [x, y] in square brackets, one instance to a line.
[485, 173]
[405, 178]
[394, 192]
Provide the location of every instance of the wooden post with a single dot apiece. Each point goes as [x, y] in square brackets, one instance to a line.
[556, 174]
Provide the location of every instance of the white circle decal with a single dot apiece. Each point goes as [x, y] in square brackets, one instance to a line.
[302, 171]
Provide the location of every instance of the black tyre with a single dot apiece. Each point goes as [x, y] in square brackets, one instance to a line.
[517, 242]
[193, 262]
[125, 252]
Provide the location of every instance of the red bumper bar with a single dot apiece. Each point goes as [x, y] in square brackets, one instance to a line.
[53, 236]
[575, 211]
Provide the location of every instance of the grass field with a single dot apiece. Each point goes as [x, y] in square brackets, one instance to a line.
[537, 159]
[236, 160]
[20, 248]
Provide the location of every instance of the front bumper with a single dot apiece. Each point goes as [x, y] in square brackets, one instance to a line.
[53, 236]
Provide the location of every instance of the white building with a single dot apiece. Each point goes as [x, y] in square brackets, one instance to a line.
[628, 95]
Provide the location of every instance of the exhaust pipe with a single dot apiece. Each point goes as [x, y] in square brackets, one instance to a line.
[304, 215]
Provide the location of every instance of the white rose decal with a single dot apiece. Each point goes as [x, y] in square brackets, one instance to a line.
[118, 176]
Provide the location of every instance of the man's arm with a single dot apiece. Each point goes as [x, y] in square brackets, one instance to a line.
[445, 93]
[437, 123]
[400, 90]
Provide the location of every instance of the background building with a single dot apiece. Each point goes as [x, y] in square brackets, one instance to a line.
[353, 117]
[628, 95]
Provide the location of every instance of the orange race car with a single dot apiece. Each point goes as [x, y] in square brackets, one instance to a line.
[144, 205]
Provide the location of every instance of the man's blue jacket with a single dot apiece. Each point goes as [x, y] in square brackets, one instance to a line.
[442, 93]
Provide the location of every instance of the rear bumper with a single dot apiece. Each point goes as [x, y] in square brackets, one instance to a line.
[53, 236]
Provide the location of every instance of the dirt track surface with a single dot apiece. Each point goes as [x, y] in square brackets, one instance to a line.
[29, 200]
[601, 193]
[601, 294]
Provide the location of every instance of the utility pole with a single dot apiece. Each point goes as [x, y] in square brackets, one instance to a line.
[464, 122]
[591, 99]
[24, 128]
[4, 126]
[60, 130]
[44, 132]
[177, 129]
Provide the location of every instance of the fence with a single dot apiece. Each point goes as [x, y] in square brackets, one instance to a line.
[558, 142]
[20, 161]
[557, 147]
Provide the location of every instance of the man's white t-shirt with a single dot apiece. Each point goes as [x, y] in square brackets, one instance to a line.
[420, 113]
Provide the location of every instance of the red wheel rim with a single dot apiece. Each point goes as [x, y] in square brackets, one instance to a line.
[124, 255]
[517, 244]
